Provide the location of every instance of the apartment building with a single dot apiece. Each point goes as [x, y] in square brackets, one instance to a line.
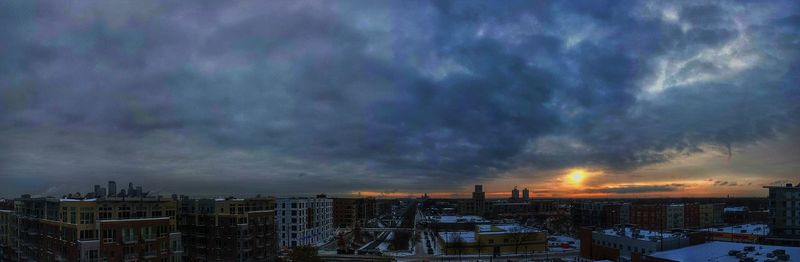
[353, 212]
[95, 229]
[228, 229]
[675, 216]
[304, 221]
[784, 215]
[711, 214]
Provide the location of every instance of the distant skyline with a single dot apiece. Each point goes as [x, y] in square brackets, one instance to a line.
[566, 98]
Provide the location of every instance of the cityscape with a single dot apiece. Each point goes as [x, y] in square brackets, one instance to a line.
[399, 131]
[132, 225]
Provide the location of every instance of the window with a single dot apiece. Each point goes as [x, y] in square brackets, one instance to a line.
[128, 235]
[87, 216]
[109, 235]
[86, 234]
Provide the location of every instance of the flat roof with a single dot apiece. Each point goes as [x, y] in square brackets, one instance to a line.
[462, 236]
[459, 219]
[505, 228]
[751, 229]
[642, 234]
[718, 252]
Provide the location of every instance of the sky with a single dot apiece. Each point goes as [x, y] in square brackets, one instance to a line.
[391, 98]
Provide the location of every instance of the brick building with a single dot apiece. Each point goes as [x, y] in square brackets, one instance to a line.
[229, 229]
[94, 229]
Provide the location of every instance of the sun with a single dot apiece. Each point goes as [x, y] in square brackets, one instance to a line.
[576, 176]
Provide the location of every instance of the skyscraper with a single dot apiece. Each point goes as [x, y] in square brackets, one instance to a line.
[526, 194]
[515, 194]
[479, 200]
[112, 188]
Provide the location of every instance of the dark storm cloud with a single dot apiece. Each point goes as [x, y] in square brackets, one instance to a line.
[398, 92]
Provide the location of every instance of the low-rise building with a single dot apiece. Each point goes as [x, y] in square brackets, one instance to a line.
[746, 233]
[725, 251]
[454, 223]
[624, 243]
[493, 239]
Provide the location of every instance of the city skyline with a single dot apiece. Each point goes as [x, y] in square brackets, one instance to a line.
[396, 98]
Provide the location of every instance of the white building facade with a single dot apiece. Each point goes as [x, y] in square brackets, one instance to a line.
[304, 221]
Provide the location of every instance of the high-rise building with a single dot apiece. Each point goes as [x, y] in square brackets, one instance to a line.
[228, 229]
[526, 195]
[478, 203]
[784, 214]
[515, 194]
[96, 229]
[99, 191]
[112, 188]
[304, 221]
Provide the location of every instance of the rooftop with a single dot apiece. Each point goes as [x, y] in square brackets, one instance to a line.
[458, 219]
[458, 236]
[505, 228]
[752, 229]
[735, 209]
[639, 234]
[719, 252]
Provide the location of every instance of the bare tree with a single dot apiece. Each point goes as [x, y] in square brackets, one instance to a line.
[457, 243]
[519, 235]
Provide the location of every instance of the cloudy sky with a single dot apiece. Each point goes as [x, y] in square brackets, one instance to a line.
[573, 98]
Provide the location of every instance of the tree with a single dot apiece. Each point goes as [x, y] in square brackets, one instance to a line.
[305, 254]
[457, 243]
[519, 235]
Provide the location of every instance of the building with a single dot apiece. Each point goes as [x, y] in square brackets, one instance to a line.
[353, 212]
[649, 216]
[626, 243]
[228, 229]
[784, 215]
[304, 221]
[515, 195]
[745, 233]
[616, 214]
[91, 229]
[7, 235]
[526, 195]
[515, 210]
[454, 223]
[588, 213]
[711, 214]
[726, 251]
[675, 218]
[493, 240]
[691, 215]
[112, 188]
[474, 206]
[743, 214]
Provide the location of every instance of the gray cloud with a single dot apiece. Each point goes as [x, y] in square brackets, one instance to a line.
[637, 189]
[400, 92]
